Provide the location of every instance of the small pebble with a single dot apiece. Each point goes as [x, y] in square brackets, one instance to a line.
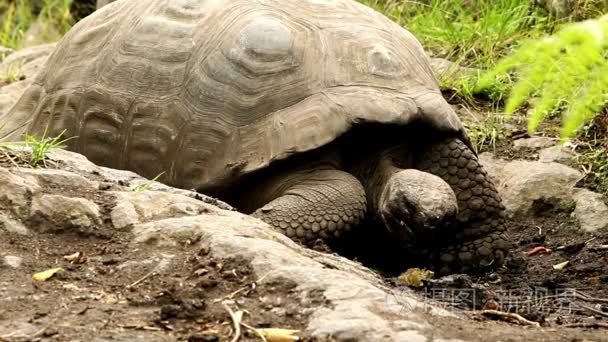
[12, 261]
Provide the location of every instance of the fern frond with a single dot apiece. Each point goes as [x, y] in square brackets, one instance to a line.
[568, 68]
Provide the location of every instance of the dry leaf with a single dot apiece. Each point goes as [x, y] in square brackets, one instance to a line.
[76, 258]
[560, 266]
[279, 335]
[490, 304]
[414, 276]
[45, 275]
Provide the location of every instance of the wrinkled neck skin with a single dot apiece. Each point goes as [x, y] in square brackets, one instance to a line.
[375, 165]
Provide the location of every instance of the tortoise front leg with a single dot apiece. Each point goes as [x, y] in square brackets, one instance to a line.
[479, 238]
[315, 204]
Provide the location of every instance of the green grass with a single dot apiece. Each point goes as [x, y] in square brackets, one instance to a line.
[37, 148]
[474, 33]
[147, 185]
[12, 72]
[485, 129]
[18, 16]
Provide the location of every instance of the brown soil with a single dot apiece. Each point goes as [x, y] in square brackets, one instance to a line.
[102, 298]
[530, 286]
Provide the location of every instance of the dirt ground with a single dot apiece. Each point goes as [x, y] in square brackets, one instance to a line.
[528, 285]
[116, 290]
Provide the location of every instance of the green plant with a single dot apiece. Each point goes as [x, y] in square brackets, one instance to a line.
[37, 148]
[12, 72]
[41, 146]
[147, 185]
[57, 12]
[17, 16]
[565, 72]
[485, 129]
[15, 19]
[474, 32]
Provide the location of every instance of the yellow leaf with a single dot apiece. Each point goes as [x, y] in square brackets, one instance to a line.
[414, 276]
[279, 335]
[45, 275]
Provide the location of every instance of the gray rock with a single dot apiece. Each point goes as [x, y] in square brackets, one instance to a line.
[534, 142]
[520, 183]
[591, 211]
[57, 178]
[12, 261]
[124, 215]
[361, 306]
[12, 226]
[135, 207]
[78, 163]
[16, 192]
[161, 262]
[29, 54]
[9, 94]
[58, 213]
[40, 32]
[157, 186]
[555, 154]
[558, 8]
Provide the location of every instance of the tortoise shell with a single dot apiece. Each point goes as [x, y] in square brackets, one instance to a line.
[205, 91]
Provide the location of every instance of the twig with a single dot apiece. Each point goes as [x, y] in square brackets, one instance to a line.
[153, 272]
[232, 294]
[595, 311]
[235, 322]
[509, 316]
[586, 325]
[586, 242]
[3, 337]
[598, 248]
[587, 298]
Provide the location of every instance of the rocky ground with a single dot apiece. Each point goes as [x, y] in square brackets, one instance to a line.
[141, 261]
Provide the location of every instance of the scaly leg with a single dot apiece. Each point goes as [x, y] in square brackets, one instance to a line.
[315, 204]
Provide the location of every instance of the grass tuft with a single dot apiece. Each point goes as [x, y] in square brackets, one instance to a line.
[36, 148]
[147, 185]
[17, 16]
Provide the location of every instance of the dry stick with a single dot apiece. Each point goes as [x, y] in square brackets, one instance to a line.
[587, 298]
[232, 294]
[596, 311]
[153, 272]
[235, 323]
[509, 315]
[586, 325]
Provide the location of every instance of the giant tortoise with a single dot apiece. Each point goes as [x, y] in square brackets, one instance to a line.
[313, 115]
